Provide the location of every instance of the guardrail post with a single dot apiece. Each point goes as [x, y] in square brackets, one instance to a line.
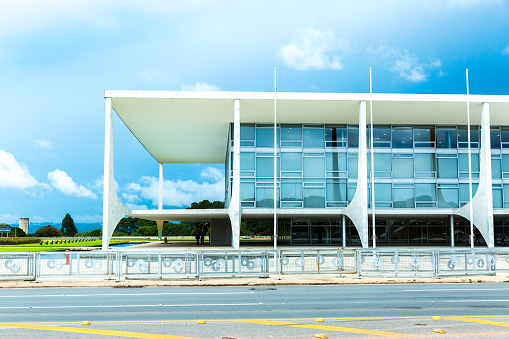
[199, 263]
[78, 264]
[160, 266]
[358, 255]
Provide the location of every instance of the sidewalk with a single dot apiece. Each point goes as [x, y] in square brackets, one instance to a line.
[294, 279]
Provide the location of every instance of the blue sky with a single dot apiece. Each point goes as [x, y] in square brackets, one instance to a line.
[57, 57]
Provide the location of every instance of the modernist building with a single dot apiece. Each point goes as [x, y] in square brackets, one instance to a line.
[420, 160]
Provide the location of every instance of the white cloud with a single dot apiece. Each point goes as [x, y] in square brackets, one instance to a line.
[313, 49]
[8, 218]
[64, 183]
[407, 65]
[200, 86]
[13, 174]
[505, 51]
[43, 143]
[177, 193]
[151, 75]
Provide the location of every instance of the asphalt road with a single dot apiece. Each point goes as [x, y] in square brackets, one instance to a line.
[349, 311]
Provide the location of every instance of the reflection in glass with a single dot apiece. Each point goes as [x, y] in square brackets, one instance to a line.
[463, 162]
[247, 132]
[447, 168]
[403, 166]
[314, 167]
[353, 136]
[424, 136]
[447, 197]
[352, 166]
[495, 138]
[265, 136]
[247, 161]
[264, 197]
[314, 197]
[425, 192]
[424, 165]
[265, 167]
[497, 198]
[291, 191]
[496, 172]
[247, 191]
[403, 198]
[402, 137]
[446, 138]
[291, 133]
[335, 136]
[463, 137]
[291, 161]
[335, 162]
[381, 136]
[313, 137]
[336, 191]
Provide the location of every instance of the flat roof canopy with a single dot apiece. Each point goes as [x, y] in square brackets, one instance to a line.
[192, 127]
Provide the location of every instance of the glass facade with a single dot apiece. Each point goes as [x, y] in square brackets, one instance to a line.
[415, 167]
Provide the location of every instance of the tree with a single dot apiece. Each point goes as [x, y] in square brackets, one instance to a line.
[130, 225]
[197, 228]
[47, 231]
[68, 229]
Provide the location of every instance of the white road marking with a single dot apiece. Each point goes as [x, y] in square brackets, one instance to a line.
[471, 301]
[119, 294]
[124, 306]
[458, 289]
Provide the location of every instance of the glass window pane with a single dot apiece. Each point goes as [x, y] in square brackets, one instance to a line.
[381, 136]
[424, 134]
[464, 191]
[402, 137]
[403, 198]
[314, 167]
[383, 192]
[463, 134]
[447, 168]
[291, 191]
[495, 138]
[265, 167]
[353, 136]
[314, 197]
[424, 162]
[352, 167]
[291, 133]
[313, 137]
[247, 161]
[506, 196]
[497, 198]
[247, 191]
[425, 192]
[265, 136]
[335, 161]
[446, 138]
[505, 162]
[291, 161]
[447, 197]
[336, 191]
[247, 132]
[463, 162]
[402, 167]
[351, 192]
[335, 135]
[496, 171]
[504, 134]
[264, 197]
[382, 162]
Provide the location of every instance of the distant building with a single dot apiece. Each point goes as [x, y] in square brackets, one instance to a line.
[323, 175]
[24, 224]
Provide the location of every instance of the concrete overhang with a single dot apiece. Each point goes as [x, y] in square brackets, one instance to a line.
[192, 127]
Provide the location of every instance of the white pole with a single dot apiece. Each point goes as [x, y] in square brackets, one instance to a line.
[470, 170]
[275, 165]
[372, 157]
[160, 205]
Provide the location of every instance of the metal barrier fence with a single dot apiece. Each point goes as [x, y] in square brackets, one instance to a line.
[317, 261]
[380, 262]
[396, 262]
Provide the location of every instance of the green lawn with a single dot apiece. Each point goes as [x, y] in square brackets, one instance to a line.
[54, 247]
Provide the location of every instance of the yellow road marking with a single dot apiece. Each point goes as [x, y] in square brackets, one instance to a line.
[93, 331]
[479, 321]
[328, 328]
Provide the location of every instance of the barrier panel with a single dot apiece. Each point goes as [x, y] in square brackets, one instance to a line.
[396, 262]
[158, 264]
[17, 266]
[234, 263]
[317, 261]
[465, 261]
[76, 263]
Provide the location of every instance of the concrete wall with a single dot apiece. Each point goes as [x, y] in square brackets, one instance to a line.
[220, 232]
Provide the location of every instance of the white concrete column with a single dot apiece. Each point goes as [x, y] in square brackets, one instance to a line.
[113, 209]
[451, 224]
[357, 210]
[482, 202]
[160, 204]
[234, 210]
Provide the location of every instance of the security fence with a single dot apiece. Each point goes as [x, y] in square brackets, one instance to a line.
[384, 262]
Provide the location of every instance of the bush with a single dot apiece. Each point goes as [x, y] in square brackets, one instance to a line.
[47, 231]
[19, 241]
[93, 233]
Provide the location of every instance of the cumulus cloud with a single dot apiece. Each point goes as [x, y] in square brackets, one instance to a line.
[200, 86]
[177, 193]
[43, 143]
[313, 49]
[64, 183]
[407, 65]
[13, 174]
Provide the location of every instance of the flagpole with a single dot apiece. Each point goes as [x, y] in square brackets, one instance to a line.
[275, 164]
[372, 158]
[470, 170]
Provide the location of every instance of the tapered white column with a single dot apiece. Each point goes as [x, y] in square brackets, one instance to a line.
[482, 202]
[357, 210]
[343, 231]
[160, 204]
[113, 209]
[451, 224]
[234, 210]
